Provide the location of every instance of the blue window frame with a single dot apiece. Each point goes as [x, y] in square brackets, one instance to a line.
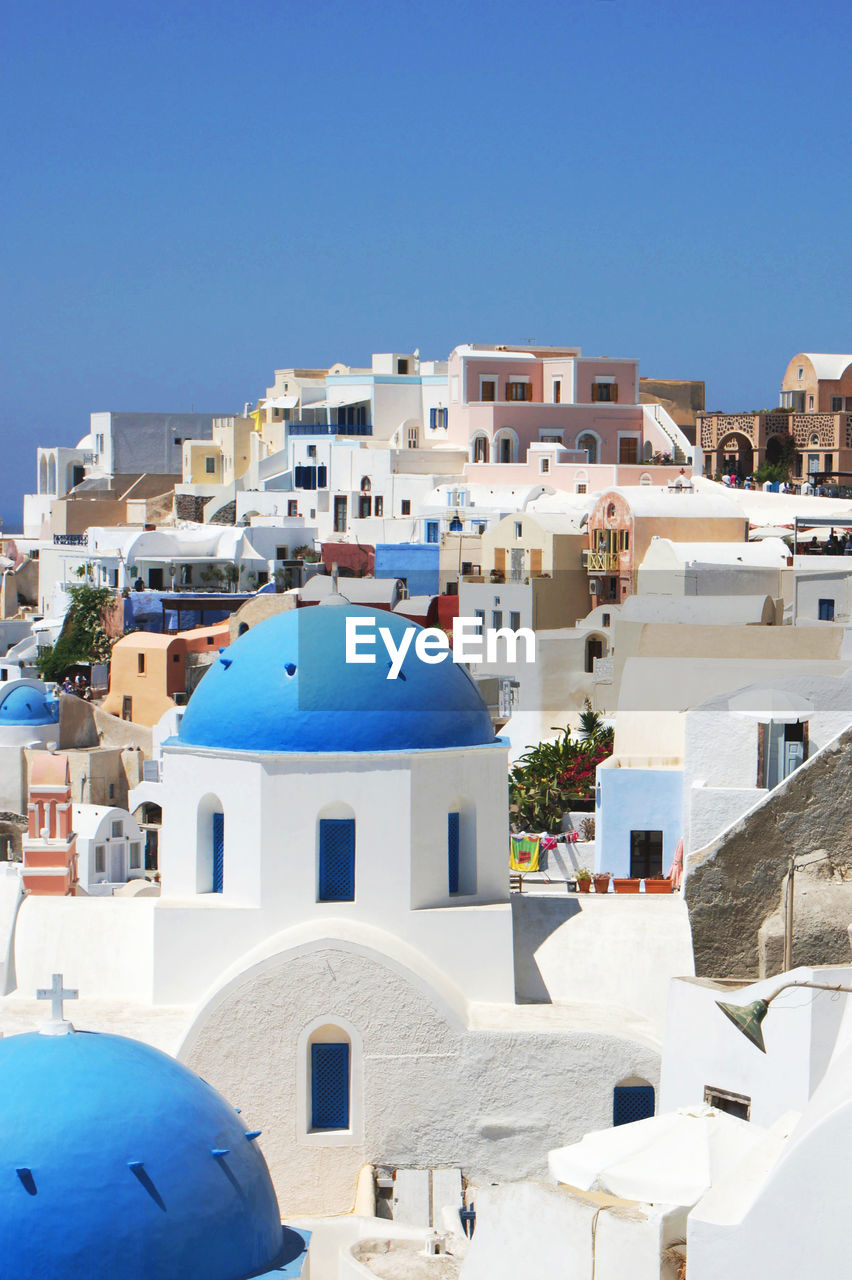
[453, 851]
[431, 530]
[330, 1086]
[632, 1102]
[218, 851]
[337, 860]
[826, 610]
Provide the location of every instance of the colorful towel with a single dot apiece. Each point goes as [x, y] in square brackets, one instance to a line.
[523, 853]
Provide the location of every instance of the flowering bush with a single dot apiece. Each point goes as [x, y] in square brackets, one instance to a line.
[554, 777]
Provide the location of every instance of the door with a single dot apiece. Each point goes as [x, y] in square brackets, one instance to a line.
[646, 854]
[155, 579]
[117, 870]
[339, 515]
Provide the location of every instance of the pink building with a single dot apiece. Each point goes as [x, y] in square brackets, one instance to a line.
[503, 400]
[50, 845]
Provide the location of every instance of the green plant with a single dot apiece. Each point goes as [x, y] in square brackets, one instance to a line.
[306, 553]
[582, 873]
[84, 637]
[553, 777]
[231, 576]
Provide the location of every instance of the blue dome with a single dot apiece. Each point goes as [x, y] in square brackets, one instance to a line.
[108, 1168]
[285, 686]
[24, 704]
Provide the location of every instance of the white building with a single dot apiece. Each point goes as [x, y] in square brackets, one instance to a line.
[110, 848]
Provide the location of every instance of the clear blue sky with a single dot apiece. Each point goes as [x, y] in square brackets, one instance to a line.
[196, 193]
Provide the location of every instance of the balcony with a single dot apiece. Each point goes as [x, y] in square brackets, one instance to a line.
[329, 428]
[600, 561]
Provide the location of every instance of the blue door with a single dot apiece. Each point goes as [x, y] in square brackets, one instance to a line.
[218, 851]
[453, 851]
[337, 860]
[330, 1086]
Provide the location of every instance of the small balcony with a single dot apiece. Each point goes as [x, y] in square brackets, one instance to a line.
[600, 561]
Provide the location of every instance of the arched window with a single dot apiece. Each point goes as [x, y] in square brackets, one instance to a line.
[366, 486]
[330, 1082]
[336, 855]
[506, 445]
[210, 847]
[589, 442]
[633, 1099]
[480, 449]
[242, 628]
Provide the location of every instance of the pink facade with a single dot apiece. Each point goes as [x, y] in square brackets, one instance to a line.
[50, 845]
[503, 401]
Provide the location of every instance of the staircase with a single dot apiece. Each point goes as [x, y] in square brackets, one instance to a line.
[682, 450]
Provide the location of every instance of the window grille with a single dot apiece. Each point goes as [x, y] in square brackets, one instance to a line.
[330, 1086]
[337, 860]
[632, 1102]
[453, 851]
[218, 851]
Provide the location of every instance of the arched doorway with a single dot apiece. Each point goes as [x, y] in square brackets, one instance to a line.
[589, 442]
[735, 456]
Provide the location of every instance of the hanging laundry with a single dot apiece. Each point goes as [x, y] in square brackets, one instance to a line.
[523, 853]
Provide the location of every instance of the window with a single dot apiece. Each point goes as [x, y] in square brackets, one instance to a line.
[412, 440]
[330, 1085]
[826, 610]
[544, 465]
[405, 507]
[557, 391]
[505, 449]
[437, 418]
[453, 852]
[604, 392]
[800, 372]
[340, 515]
[551, 437]
[515, 621]
[605, 620]
[218, 852]
[112, 791]
[496, 618]
[813, 464]
[312, 451]
[519, 529]
[829, 463]
[280, 553]
[810, 402]
[632, 1102]
[646, 854]
[140, 664]
[431, 530]
[402, 367]
[488, 389]
[379, 506]
[116, 830]
[480, 449]
[736, 1104]
[580, 488]
[292, 508]
[480, 614]
[837, 404]
[175, 657]
[518, 391]
[136, 856]
[628, 450]
[365, 506]
[336, 860]
[100, 859]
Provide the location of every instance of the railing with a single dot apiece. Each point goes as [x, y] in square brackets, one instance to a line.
[70, 539]
[329, 428]
[600, 561]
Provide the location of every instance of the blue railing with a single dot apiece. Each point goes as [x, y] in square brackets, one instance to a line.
[70, 539]
[330, 428]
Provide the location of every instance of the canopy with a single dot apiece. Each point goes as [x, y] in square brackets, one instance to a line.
[336, 399]
[667, 1159]
[775, 706]
[281, 402]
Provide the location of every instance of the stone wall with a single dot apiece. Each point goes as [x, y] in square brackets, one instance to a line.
[190, 506]
[734, 887]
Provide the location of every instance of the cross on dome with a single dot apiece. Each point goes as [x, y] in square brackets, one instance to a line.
[56, 994]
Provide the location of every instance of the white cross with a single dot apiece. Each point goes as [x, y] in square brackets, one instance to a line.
[56, 994]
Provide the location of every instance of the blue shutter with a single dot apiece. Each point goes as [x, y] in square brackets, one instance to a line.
[337, 860]
[310, 477]
[431, 530]
[322, 477]
[218, 851]
[632, 1102]
[453, 851]
[329, 1086]
[433, 414]
[298, 478]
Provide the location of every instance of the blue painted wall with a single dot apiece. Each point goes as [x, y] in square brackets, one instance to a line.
[414, 561]
[636, 800]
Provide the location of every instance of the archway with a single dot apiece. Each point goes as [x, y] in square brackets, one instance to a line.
[506, 445]
[595, 648]
[590, 442]
[480, 448]
[735, 456]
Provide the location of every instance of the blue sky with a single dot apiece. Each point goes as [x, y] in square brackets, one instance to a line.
[196, 193]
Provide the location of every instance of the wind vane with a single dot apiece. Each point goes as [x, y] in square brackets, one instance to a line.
[57, 1025]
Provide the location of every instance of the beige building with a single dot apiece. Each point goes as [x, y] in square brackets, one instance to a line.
[149, 671]
[222, 459]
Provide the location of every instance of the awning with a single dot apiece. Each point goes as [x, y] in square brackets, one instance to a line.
[281, 402]
[338, 398]
[771, 706]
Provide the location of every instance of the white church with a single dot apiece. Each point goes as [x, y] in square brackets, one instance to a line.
[334, 924]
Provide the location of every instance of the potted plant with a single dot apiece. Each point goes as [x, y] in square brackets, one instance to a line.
[601, 879]
[626, 884]
[584, 879]
[658, 884]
